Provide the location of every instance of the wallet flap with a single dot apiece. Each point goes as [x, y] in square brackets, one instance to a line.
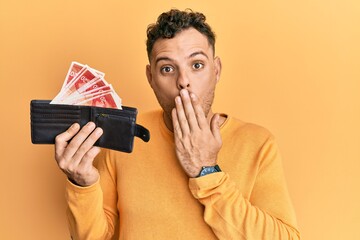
[142, 133]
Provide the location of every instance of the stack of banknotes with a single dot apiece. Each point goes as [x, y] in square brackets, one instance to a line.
[84, 85]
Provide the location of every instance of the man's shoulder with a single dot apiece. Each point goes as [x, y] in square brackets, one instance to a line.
[248, 129]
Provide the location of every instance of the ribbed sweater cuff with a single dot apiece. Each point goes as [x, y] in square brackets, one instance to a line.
[78, 189]
[207, 182]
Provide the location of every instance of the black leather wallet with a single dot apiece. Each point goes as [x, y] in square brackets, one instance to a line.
[119, 126]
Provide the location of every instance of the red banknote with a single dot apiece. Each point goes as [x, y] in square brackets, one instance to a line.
[84, 85]
[74, 69]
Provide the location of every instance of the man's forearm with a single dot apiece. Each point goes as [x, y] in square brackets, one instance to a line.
[231, 216]
[86, 215]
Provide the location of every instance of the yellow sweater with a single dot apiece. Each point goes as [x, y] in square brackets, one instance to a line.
[146, 194]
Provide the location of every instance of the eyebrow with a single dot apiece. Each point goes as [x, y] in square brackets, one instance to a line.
[190, 56]
[198, 53]
[162, 59]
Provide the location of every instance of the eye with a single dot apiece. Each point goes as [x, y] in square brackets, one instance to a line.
[167, 69]
[198, 65]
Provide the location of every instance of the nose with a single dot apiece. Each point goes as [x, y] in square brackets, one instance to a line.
[183, 81]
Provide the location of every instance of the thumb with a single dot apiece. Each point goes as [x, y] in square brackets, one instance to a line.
[215, 127]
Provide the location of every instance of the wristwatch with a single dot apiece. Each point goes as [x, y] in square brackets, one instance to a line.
[208, 170]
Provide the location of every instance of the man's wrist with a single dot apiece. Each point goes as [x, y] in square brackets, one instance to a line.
[84, 184]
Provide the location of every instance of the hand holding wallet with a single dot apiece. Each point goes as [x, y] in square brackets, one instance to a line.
[119, 126]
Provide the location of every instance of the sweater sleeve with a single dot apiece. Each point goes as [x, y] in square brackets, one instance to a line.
[267, 214]
[92, 212]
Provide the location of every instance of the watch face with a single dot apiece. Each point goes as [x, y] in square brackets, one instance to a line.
[208, 170]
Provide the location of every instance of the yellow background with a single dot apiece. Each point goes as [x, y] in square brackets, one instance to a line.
[291, 66]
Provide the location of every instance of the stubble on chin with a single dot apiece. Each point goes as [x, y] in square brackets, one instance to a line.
[207, 102]
[167, 107]
[167, 112]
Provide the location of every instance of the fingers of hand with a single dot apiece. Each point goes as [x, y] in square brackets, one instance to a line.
[61, 140]
[85, 173]
[189, 110]
[77, 157]
[79, 148]
[215, 127]
[78, 140]
[85, 150]
[199, 112]
[181, 117]
[176, 124]
[89, 157]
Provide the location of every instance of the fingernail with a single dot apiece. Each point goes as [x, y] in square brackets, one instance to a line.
[184, 92]
[193, 97]
[90, 124]
[75, 126]
[178, 99]
[98, 131]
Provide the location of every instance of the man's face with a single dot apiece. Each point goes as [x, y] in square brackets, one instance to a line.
[185, 61]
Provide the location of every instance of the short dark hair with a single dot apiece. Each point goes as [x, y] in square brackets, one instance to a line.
[174, 21]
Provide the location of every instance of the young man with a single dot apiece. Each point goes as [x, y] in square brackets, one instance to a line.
[202, 175]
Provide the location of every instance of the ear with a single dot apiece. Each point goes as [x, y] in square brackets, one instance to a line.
[218, 66]
[148, 74]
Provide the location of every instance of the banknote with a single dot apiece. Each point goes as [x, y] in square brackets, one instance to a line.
[89, 87]
[84, 85]
[84, 76]
[76, 98]
[106, 100]
[74, 69]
